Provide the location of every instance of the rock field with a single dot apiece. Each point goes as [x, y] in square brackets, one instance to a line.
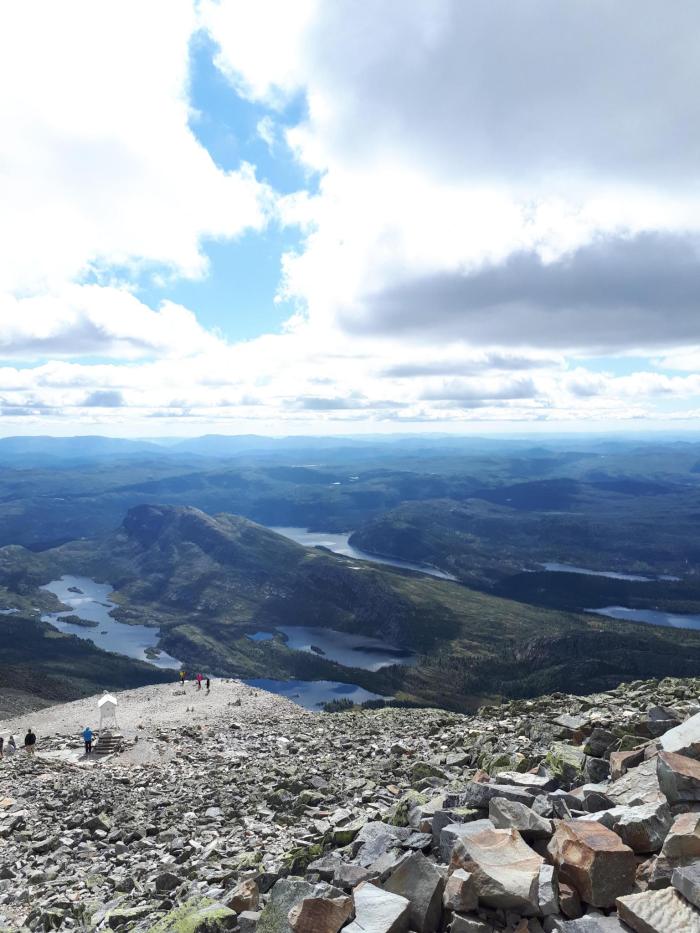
[241, 811]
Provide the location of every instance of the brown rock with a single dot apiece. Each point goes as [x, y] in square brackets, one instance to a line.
[658, 912]
[620, 762]
[320, 914]
[682, 844]
[245, 896]
[594, 860]
[679, 777]
[569, 901]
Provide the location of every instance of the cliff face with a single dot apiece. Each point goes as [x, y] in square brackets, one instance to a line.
[236, 810]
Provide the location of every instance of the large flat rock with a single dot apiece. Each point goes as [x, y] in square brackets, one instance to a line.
[505, 870]
[638, 786]
[664, 911]
[683, 739]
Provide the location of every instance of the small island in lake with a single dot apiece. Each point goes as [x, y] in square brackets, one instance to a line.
[76, 620]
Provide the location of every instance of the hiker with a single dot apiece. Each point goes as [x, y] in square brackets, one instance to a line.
[11, 746]
[29, 741]
[199, 681]
[182, 678]
[208, 685]
[87, 738]
[2, 745]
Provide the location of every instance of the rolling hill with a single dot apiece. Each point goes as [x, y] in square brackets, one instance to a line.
[208, 582]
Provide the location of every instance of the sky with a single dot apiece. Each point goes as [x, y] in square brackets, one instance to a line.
[329, 216]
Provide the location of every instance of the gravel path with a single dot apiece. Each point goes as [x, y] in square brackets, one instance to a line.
[148, 708]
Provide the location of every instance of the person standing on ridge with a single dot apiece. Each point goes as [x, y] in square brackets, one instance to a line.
[29, 741]
[87, 738]
[208, 685]
[182, 677]
[199, 681]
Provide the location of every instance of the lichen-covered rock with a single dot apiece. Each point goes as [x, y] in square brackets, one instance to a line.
[565, 762]
[197, 916]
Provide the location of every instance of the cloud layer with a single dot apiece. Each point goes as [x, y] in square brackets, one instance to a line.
[496, 193]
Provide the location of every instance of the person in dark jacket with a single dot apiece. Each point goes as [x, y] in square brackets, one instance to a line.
[29, 742]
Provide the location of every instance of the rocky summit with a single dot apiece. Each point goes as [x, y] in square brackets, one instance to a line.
[237, 810]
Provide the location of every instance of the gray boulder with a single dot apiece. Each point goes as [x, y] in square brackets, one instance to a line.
[479, 795]
[687, 881]
[450, 834]
[460, 894]
[421, 882]
[508, 814]
[639, 785]
[378, 911]
[642, 828]
[286, 894]
[505, 869]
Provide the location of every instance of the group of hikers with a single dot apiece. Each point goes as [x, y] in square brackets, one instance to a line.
[11, 747]
[88, 736]
[199, 678]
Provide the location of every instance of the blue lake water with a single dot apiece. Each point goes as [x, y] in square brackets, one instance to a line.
[554, 567]
[338, 543]
[312, 694]
[371, 654]
[649, 616]
[92, 602]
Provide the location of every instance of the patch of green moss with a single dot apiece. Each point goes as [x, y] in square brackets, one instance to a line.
[196, 916]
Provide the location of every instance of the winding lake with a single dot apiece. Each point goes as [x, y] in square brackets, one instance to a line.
[312, 694]
[339, 544]
[90, 601]
[649, 616]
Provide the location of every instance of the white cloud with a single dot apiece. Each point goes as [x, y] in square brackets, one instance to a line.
[99, 165]
[97, 320]
[451, 136]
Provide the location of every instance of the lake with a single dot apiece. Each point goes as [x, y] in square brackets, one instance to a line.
[554, 567]
[611, 574]
[90, 600]
[370, 654]
[312, 694]
[339, 544]
[649, 616]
